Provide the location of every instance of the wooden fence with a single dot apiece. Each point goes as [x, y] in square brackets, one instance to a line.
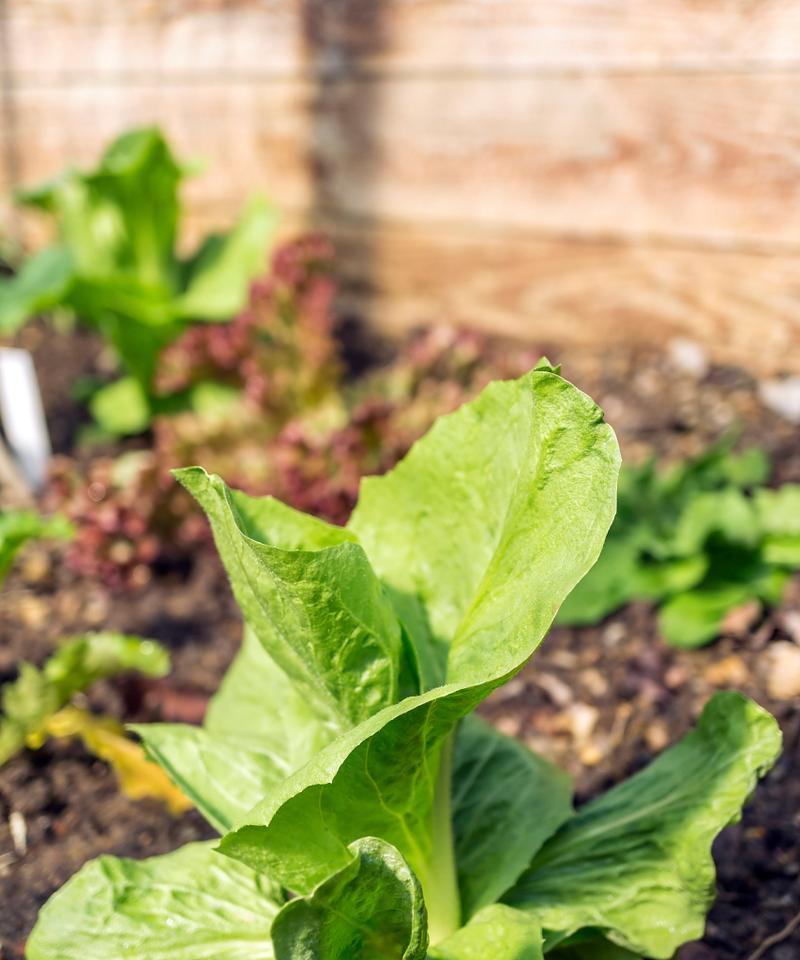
[566, 169]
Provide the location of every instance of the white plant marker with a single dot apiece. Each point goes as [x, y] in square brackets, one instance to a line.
[23, 415]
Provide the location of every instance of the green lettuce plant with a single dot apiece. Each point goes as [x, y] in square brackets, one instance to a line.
[700, 539]
[366, 812]
[115, 265]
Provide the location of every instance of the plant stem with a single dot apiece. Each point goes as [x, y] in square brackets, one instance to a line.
[440, 884]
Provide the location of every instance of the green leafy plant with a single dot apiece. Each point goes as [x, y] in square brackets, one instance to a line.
[701, 539]
[17, 527]
[367, 813]
[115, 265]
[39, 704]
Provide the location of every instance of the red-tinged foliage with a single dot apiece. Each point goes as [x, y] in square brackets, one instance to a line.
[297, 433]
[279, 352]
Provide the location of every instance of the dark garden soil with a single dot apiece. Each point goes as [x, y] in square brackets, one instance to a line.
[599, 701]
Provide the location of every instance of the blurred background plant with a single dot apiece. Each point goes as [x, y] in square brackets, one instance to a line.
[17, 527]
[700, 539]
[115, 266]
[47, 702]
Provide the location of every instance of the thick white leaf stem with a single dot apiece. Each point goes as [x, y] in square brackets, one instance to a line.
[440, 882]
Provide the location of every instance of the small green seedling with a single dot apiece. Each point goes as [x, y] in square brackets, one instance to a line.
[699, 539]
[116, 267]
[17, 527]
[39, 704]
[366, 812]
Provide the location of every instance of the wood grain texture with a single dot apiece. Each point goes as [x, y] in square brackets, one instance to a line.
[711, 159]
[226, 38]
[246, 139]
[745, 307]
[74, 39]
[584, 169]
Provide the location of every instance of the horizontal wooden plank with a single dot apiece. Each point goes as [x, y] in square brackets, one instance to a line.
[713, 159]
[567, 34]
[51, 39]
[696, 158]
[744, 308]
[222, 39]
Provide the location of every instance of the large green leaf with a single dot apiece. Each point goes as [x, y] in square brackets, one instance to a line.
[497, 932]
[258, 729]
[636, 862]
[380, 778]
[189, 905]
[506, 802]
[607, 586]
[319, 611]
[220, 273]
[377, 779]
[371, 909]
[222, 775]
[260, 726]
[258, 702]
[472, 521]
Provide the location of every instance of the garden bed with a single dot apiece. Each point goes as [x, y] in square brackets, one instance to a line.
[599, 701]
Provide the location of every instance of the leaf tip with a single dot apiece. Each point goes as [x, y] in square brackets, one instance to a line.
[194, 479]
[544, 366]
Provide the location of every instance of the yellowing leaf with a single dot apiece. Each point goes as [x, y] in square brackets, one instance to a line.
[106, 739]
